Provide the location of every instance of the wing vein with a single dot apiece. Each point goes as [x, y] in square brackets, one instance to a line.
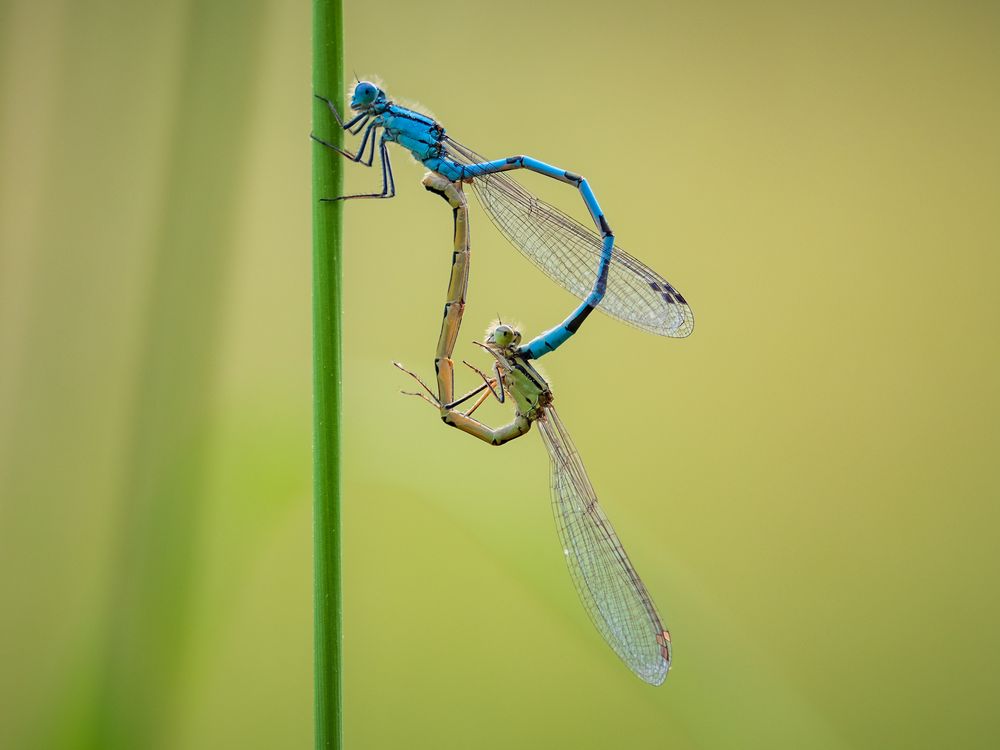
[569, 253]
[609, 587]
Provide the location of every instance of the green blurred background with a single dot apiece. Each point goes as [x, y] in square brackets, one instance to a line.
[808, 484]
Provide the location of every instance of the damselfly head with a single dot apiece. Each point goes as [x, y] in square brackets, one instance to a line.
[365, 94]
[504, 337]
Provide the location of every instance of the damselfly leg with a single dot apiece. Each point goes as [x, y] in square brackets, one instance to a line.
[428, 395]
[362, 118]
[367, 141]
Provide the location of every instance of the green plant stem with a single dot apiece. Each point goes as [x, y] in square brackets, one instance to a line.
[327, 272]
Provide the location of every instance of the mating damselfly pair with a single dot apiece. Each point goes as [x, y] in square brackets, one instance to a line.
[588, 264]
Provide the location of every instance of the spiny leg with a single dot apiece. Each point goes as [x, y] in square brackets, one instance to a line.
[357, 158]
[431, 399]
[357, 129]
[369, 132]
[462, 399]
[341, 151]
[354, 127]
[388, 183]
[498, 394]
[333, 110]
[479, 402]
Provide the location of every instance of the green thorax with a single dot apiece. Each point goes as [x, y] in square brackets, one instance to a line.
[525, 385]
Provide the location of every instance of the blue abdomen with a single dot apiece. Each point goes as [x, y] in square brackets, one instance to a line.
[444, 166]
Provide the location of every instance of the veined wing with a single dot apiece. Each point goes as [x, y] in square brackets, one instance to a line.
[610, 589]
[568, 253]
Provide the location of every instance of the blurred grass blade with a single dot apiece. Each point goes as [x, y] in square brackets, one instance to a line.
[327, 182]
[162, 491]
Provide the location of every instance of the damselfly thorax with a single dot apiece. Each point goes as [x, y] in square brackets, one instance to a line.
[524, 384]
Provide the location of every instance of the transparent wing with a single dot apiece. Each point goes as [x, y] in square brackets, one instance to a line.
[568, 253]
[610, 589]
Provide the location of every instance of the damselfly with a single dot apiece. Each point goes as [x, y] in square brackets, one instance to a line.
[609, 587]
[584, 261]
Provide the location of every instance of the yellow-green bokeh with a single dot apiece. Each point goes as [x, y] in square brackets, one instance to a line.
[807, 484]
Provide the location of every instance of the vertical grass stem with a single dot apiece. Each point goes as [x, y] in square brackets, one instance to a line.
[327, 273]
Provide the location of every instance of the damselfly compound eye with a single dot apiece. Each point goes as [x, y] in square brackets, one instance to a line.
[365, 94]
